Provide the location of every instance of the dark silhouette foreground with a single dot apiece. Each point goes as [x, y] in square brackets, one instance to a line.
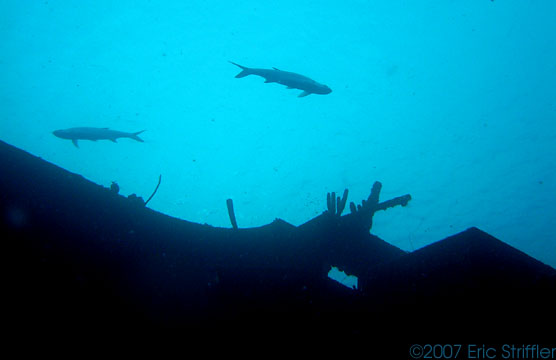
[82, 258]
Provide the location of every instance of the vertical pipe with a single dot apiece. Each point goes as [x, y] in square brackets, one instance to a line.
[230, 205]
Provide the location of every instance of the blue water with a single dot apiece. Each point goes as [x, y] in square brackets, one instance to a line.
[453, 102]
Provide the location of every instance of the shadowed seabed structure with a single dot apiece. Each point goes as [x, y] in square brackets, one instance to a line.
[84, 258]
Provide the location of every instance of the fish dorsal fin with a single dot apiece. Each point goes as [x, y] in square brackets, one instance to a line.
[276, 69]
[303, 94]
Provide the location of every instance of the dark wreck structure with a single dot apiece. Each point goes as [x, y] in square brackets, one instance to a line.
[81, 257]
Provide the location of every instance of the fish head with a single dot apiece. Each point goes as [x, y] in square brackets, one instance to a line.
[326, 90]
[322, 89]
[63, 134]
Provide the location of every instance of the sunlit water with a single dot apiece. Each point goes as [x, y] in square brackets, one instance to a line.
[453, 102]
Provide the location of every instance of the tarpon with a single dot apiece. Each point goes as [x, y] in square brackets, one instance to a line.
[289, 79]
[94, 134]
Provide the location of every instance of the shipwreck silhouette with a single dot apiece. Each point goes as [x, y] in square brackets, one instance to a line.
[84, 257]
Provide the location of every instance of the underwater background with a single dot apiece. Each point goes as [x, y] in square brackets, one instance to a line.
[453, 102]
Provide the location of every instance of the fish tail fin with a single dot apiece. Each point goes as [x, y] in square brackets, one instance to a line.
[244, 70]
[135, 136]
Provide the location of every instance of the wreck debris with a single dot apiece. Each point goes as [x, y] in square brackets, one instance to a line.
[368, 207]
[114, 187]
[155, 189]
[341, 203]
[137, 200]
[335, 204]
[330, 202]
[230, 205]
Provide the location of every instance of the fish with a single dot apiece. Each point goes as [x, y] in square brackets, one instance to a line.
[289, 79]
[94, 134]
